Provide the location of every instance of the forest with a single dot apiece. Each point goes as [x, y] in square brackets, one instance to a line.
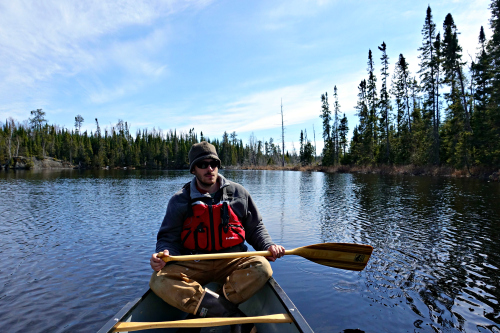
[446, 114]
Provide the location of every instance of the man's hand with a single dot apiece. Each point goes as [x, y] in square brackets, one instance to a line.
[157, 263]
[278, 251]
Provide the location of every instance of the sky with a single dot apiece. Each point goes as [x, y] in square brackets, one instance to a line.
[213, 66]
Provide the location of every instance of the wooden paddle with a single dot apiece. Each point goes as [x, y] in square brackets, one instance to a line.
[348, 256]
[202, 322]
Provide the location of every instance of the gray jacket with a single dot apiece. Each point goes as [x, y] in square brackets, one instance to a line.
[169, 235]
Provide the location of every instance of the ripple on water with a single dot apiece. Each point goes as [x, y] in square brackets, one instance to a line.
[75, 247]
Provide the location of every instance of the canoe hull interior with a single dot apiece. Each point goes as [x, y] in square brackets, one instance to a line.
[271, 299]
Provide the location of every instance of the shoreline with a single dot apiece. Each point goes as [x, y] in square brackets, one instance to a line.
[33, 163]
[487, 174]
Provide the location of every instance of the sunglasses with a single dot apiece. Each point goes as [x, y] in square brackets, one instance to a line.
[204, 164]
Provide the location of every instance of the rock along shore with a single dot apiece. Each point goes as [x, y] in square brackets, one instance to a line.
[32, 163]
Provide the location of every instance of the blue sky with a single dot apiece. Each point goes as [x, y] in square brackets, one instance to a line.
[213, 66]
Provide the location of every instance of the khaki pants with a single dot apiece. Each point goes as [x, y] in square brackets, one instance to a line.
[180, 284]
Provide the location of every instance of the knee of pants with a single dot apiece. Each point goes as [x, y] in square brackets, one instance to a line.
[263, 266]
[179, 292]
[244, 283]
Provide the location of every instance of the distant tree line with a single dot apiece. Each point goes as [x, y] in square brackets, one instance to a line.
[403, 124]
[399, 124]
[117, 147]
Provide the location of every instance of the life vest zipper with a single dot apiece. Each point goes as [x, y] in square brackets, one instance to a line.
[212, 231]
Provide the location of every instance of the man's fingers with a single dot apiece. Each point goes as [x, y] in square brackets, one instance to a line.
[277, 251]
[281, 251]
[165, 253]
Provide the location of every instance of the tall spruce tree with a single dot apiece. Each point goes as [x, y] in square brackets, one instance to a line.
[343, 132]
[401, 91]
[372, 102]
[356, 147]
[437, 123]
[481, 76]
[493, 108]
[385, 106]
[326, 115]
[364, 138]
[457, 128]
[428, 68]
[335, 128]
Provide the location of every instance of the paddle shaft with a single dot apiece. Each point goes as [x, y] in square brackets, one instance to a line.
[202, 322]
[340, 255]
[228, 255]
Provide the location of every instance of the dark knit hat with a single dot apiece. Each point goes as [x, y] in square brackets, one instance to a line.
[201, 151]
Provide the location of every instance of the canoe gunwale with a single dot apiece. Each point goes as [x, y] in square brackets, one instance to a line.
[291, 309]
[129, 307]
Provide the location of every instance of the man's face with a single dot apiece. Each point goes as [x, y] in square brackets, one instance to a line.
[206, 171]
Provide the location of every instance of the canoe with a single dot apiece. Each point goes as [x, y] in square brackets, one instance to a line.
[270, 300]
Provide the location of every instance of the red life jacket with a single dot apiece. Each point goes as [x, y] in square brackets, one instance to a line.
[212, 227]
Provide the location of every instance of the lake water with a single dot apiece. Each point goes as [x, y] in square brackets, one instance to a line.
[75, 247]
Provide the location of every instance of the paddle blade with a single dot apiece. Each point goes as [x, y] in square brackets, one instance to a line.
[348, 256]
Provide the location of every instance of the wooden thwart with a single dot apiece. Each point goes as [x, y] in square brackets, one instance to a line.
[202, 322]
[340, 255]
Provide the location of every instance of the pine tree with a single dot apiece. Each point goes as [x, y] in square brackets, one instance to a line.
[401, 91]
[335, 129]
[326, 115]
[384, 104]
[481, 76]
[437, 117]
[493, 108]
[306, 149]
[356, 147]
[457, 127]
[343, 132]
[78, 123]
[365, 137]
[39, 127]
[372, 102]
[428, 69]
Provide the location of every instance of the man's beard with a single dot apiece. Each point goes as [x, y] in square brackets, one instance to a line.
[204, 183]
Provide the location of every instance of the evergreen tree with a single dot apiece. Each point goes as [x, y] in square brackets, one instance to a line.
[306, 155]
[39, 127]
[326, 116]
[401, 83]
[481, 76]
[78, 123]
[364, 138]
[335, 128]
[356, 147]
[384, 105]
[343, 132]
[457, 129]
[437, 123]
[372, 103]
[493, 107]
[428, 69]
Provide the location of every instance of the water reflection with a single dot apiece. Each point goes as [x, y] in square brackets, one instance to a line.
[75, 247]
[431, 244]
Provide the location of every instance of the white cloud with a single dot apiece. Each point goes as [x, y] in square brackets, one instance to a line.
[112, 50]
[39, 40]
[261, 110]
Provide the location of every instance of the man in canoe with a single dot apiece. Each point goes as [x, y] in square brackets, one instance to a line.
[211, 214]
